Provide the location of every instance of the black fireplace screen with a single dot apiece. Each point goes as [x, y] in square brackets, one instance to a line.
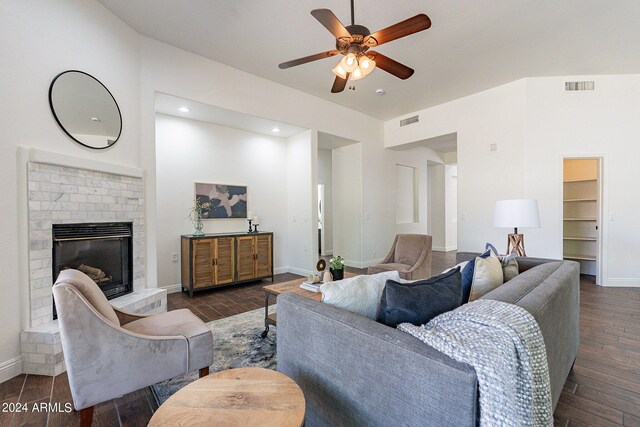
[103, 251]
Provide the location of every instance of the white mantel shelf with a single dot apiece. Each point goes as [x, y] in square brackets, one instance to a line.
[51, 158]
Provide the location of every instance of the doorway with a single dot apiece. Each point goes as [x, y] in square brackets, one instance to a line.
[582, 195]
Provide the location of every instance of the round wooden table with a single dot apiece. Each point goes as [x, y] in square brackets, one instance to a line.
[235, 397]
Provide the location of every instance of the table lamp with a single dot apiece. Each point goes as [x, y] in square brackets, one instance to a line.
[516, 213]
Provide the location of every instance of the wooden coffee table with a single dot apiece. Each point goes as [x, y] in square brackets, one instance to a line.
[283, 288]
[235, 397]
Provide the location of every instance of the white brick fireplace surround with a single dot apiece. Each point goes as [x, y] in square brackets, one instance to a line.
[61, 192]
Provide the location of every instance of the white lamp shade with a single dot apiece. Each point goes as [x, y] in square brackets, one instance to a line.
[349, 63]
[339, 71]
[367, 65]
[516, 213]
[357, 74]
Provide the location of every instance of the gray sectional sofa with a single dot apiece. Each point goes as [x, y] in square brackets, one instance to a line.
[357, 372]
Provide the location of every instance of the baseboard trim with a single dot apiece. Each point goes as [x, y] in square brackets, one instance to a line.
[300, 271]
[622, 283]
[280, 270]
[444, 248]
[10, 368]
[173, 289]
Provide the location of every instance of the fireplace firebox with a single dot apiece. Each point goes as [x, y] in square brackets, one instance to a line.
[103, 251]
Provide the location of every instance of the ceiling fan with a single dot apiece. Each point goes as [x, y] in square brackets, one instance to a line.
[354, 42]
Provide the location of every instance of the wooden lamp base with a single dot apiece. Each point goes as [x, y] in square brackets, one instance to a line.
[515, 243]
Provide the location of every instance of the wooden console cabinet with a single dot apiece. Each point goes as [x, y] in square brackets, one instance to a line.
[215, 260]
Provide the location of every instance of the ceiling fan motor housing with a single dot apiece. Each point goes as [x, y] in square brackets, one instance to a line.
[356, 43]
[358, 29]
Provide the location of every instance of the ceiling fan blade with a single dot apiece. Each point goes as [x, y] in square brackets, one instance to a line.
[331, 23]
[390, 66]
[401, 29]
[339, 84]
[309, 58]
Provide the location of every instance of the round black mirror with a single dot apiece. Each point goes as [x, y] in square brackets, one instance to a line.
[85, 109]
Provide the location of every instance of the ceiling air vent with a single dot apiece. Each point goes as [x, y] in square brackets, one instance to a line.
[410, 120]
[573, 86]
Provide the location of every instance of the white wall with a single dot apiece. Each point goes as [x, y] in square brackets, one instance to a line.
[437, 207]
[173, 71]
[603, 122]
[496, 116]
[189, 151]
[347, 198]
[38, 40]
[535, 123]
[451, 206]
[301, 212]
[325, 177]
[406, 200]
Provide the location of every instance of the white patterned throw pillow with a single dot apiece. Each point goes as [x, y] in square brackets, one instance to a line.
[359, 294]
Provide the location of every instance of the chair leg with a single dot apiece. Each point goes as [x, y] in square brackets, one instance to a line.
[86, 416]
[204, 372]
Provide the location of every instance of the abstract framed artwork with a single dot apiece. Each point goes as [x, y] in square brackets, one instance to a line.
[226, 201]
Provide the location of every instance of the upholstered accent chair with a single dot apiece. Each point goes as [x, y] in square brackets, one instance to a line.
[109, 353]
[410, 255]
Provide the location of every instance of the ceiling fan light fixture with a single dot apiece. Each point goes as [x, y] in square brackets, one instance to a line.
[357, 74]
[339, 71]
[367, 65]
[349, 62]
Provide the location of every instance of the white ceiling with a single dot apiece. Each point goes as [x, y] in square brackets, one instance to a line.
[169, 104]
[472, 45]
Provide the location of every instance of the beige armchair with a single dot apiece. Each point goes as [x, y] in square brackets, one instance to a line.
[109, 353]
[410, 255]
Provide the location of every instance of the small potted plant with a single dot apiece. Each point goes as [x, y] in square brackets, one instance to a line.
[336, 267]
[195, 215]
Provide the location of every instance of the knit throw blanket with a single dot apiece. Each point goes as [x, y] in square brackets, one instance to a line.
[505, 346]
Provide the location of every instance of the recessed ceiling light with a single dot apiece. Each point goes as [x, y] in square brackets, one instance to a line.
[275, 130]
[184, 109]
[380, 91]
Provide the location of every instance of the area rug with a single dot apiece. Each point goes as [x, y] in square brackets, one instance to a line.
[236, 344]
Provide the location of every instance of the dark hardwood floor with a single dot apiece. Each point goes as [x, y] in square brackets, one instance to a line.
[602, 390]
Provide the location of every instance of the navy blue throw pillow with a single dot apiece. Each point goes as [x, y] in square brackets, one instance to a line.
[418, 302]
[467, 276]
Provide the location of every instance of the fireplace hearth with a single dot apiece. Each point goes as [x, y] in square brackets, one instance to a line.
[103, 251]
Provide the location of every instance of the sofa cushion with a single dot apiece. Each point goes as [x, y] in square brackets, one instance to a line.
[393, 266]
[359, 294]
[181, 323]
[176, 322]
[419, 302]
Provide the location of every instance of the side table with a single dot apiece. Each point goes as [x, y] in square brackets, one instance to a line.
[235, 397]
